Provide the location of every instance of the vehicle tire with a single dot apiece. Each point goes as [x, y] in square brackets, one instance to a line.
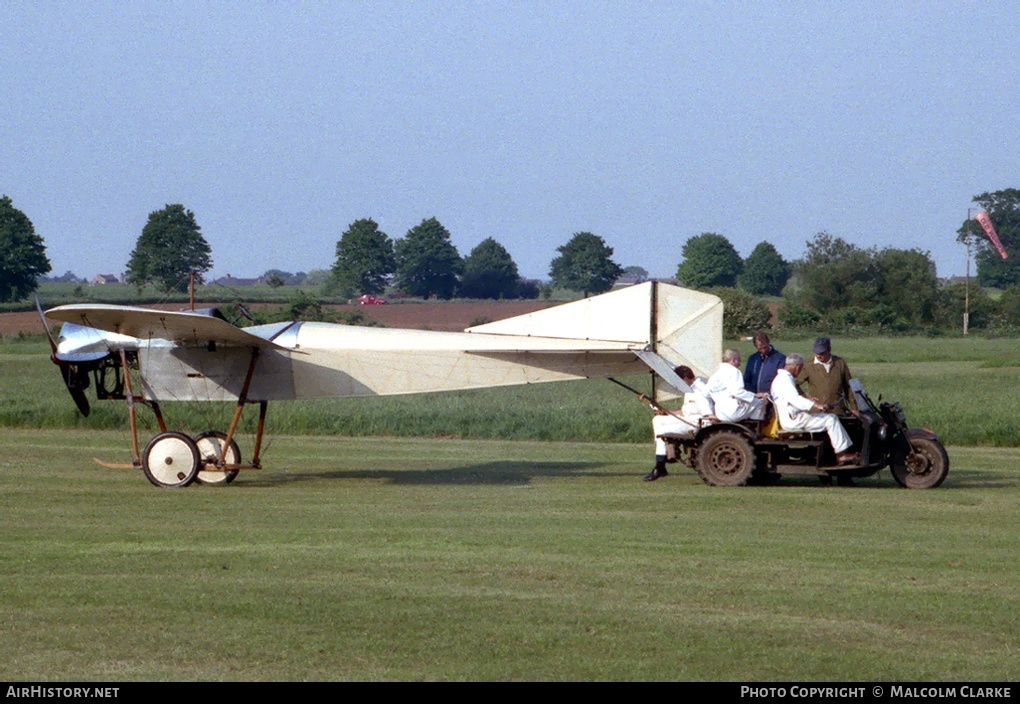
[926, 468]
[170, 459]
[725, 458]
[209, 444]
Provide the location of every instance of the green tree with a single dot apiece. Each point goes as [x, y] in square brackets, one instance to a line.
[793, 316]
[835, 274]
[846, 286]
[364, 259]
[709, 260]
[278, 277]
[489, 272]
[1003, 207]
[951, 305]
[743, 314]
[22, 253]
[317, 277]
[765, 271]
[638, 272]
[427, 263]
[907, 286]
[585, 264]
[68, 277]
[1009, 307]
[170, 247]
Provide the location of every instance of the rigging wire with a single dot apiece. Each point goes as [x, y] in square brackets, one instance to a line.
[170, 291]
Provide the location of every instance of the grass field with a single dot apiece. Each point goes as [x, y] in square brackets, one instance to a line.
[412, 559]
[364, 552]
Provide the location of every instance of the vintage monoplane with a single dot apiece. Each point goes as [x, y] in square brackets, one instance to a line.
[200, 356]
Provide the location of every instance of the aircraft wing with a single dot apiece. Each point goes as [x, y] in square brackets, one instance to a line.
[184, 328]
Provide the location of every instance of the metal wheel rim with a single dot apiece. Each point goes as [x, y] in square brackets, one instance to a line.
[920, 463]
[726, 460]
[924, 468]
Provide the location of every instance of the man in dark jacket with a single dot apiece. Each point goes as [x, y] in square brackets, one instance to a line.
[762, 367]
[828, 379]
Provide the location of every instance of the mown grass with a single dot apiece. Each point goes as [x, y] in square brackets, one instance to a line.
[989, 352]
[410, 559]
[963, 389]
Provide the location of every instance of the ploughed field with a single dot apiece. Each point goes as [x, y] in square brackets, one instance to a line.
[434, 315]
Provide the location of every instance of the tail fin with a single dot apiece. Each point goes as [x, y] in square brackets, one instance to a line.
[681, 325]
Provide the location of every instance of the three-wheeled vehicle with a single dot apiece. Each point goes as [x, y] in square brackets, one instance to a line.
[734, 454]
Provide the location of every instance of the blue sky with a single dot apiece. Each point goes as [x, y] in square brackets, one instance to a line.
[279, 124]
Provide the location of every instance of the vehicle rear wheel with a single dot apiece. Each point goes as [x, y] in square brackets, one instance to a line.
[209, 445]
[725, 458]
[170, 459]
[924, 468]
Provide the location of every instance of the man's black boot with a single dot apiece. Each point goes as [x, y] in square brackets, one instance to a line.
[659, 470]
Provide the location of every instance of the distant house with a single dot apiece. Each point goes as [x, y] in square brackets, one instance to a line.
[103, 279]
[631, 280]
[956, 280]
[628, 280]
[229, 280]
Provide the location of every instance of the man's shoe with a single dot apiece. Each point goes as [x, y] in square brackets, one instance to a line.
[656, 473]
[848, 458]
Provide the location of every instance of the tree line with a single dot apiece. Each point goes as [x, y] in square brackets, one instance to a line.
[423, 263]
[426, 263]
[836, 284]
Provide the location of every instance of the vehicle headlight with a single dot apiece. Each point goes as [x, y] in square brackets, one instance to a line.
[883, 432]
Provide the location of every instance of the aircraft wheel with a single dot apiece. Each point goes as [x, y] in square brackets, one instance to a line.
[170, 459]
[209, 444]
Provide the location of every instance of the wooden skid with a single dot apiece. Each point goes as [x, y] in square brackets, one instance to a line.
[115, 465]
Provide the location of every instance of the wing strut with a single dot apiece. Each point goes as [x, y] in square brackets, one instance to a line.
[221, 464]
[241, 400]
[663, 368]
[653, 331]
[129, 396]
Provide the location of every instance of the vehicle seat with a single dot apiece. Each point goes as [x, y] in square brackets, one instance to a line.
[798, 433]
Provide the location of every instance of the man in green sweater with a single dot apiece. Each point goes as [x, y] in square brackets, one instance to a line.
[828, 379]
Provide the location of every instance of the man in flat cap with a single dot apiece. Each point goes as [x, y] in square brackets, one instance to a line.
[828, 380]
[796, 411]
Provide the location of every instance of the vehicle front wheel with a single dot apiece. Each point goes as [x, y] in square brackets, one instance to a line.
[725, 458]
[924, 467]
